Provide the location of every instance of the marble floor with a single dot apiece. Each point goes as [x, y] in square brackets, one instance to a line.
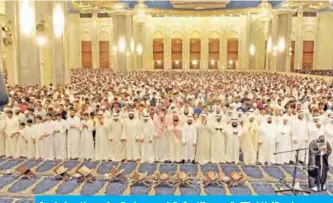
[262, 180]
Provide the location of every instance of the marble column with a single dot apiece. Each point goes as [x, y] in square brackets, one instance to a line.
[122, 33]
[24, 55]
[204, 43]
[223, 45]
[324, 42]
[95, 43]
[167, 51]
[74, 34]
[299, 41]
[281, 35]
[139, 35]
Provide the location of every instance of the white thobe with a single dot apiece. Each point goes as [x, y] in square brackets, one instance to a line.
[175, 143]
[147, 134]
[299, 137]
[131, 135]
[102, 148]
[73, 137]
[29, 137]
[2, 136]
[86, 140]
[283, 144]
[189, 140]
[12, 125]
[39, 131]
[203, 150]
[233, 135]
[267, 136]
[60, 139]
[48, 141]
[313, 130]
[118, 148]
[249, 142]
[218, 141]
[21, 146]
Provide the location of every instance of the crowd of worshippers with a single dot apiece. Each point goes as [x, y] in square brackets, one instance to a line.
[199, 117]
[316, 72]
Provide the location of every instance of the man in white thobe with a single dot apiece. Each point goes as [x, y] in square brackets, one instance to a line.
[73, 136]
[218, 139]
[203, 151]
[249, 142]
[267, 141]
[86, 139]
[283, 141]
[11, 127]
[117, 143]
[299, 136]
[39, 132]
[102, 147]
[60, 128]
[132, 136]
[314, 127]
[189, 140]
[29, 137]
[233, 133]
[48, 139]
[329, 135]
[147, 136]
[175, 140]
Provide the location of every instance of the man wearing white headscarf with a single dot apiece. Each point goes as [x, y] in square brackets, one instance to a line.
[314, 127]
[189, 139]
[60, 137]
[11, 127]
[175, 139]
[267, 141]
[203, 151]
[73, 136]
[131, 133]
[102, 146]
[300, 136]
[234, 132]
[249, 142]
[218, 139]
[86, 141]
[284, 141]
[147, 136]
[115, 134]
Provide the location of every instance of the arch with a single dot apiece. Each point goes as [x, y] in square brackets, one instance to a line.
[103, 36]
[214, 34]
[309, 36]
[233, 34]
[195, 34]
[158, 34]
[176, 34]
[86, 36]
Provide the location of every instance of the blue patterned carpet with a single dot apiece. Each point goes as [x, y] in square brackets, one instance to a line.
[262, 180]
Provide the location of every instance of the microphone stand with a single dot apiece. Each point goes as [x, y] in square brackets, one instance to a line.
[292, 188]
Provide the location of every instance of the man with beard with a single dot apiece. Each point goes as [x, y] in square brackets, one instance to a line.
[73, 137]
[175, 139]
[189, 140]
[118, 143]
[314, 127]
[233, 134]
[60, 128]
[218, 139]
[147, 135]
[284, 141]
[102, 146]
[161, 145]
[267, 141]
[203, 152]
[12, 126]
[249, 142]
[319, 151]
[132, 137]
[299, 135]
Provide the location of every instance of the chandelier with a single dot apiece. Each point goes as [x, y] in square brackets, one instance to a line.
[265, 11]
[141, 16]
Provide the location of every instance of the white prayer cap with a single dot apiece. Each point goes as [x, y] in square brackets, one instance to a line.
[300, 112]
[26, 112]
[131, 113]
[315, 117]
[100, 113]
[218, 116]
[189, 117]
[115, 115]
[17, 109]
[285, 117]
[251, 110]
[203, 114]
[234, 119]
[145, 115]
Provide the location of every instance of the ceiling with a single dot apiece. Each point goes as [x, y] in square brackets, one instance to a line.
[194, 6]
